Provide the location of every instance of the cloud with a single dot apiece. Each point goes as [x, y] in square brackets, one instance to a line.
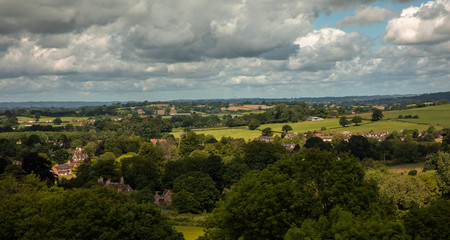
[365, 15]
[55, 17]
[138, 49]
[322, 49]
[429, 23]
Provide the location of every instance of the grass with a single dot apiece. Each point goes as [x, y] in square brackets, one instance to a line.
[189, 232]
[405, 168]
[435, 115]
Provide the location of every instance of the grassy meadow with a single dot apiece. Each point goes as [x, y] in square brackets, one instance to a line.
[189, 232]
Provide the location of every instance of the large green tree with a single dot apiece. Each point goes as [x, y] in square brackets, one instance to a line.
[194, 192]
[264, 205]
[377, 114]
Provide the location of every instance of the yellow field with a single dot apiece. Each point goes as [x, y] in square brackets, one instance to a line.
[190, 233]
[405, 168]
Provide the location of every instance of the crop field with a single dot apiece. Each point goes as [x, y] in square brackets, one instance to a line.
[190, 233]
[247, 107]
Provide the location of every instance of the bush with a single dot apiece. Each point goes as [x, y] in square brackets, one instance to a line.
[412, 172]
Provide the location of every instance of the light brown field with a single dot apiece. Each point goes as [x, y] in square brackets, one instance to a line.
[249, 107]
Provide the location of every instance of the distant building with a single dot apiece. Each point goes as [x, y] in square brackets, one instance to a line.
[62, 169]
[120, 186]
[289, 146]
[291, 135]
[314, 119]
[164, 199]
[79, 156]
[264, 138]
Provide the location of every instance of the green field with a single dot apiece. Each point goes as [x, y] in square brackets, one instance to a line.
[438, 116]
[190, 233]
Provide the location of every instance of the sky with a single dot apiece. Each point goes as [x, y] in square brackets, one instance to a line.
[136, 50]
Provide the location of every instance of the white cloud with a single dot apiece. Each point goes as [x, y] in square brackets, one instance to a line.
[365, 15]
[429, 23]
[322, 49]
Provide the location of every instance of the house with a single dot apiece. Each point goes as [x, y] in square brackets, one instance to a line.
[155, 140]
[326, 138]
[291, 135]
[264, 138]
[79, 156]
[62, 169]
[118, 186]
[164, 199]
[161, 112]
[314, 119]
[289, 146]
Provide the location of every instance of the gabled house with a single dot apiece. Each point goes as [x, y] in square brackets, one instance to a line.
[118, 186]
[164, 199]
[79, 156]
[264, 138]
[62, 169]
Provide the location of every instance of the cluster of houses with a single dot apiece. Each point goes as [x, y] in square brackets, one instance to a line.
[326, 137]
[67, 168]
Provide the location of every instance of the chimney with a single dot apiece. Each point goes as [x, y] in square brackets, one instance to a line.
[122, 181]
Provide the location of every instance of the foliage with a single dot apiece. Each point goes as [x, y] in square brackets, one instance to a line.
[441, 163]
[139, 172]
[189, 142]
[33, 163]
[343, 121]
[259, 154]
[194, 192]
[263, 205]
[286, 128]
[430, 222]
[267, 132]
[254, 124]
[357, 120]
[317, 142]
[404, 190]
[341, 224]
[377, 114]
[94, 213]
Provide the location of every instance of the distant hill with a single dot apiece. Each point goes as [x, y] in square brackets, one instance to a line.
[348, 100]
[49, 105]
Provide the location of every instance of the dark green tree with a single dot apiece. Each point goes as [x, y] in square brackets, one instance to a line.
[57, 121]
[343, 121]
[139, 172]
[267, 132]
[286, 128]
[259, 154]
[377, 114]
[195, 189]
[33, 163]
[254, 124]
[357, 120]
[430, 222]
[189, 142]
